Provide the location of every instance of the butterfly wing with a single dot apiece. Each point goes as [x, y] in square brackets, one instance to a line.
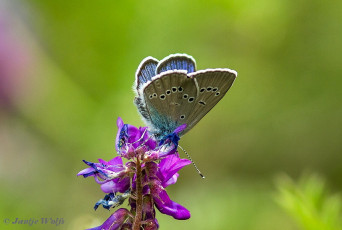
[212, 85]
[145, 71]
[170, 98]
[149, 67]
[144, 74]
[177, 62]
[177, 95]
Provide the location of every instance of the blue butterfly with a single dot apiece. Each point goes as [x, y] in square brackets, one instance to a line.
[170, 93]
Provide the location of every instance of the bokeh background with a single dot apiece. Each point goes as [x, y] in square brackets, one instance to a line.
[66, 73]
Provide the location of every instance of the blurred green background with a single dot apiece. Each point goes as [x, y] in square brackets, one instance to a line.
[66, 73]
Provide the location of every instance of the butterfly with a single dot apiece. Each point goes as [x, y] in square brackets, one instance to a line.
[170, 92]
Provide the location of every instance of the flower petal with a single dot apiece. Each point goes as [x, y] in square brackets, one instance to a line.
[133, 134]
[147, 139]
[165, 205]
[171, 181]
[169, 166]
[151, 225]
[127, 136]
[115, 161]
[86, 172]
[115, 221]
[116, 185]
[119, 122]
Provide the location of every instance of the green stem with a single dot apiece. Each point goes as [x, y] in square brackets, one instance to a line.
[138, 213]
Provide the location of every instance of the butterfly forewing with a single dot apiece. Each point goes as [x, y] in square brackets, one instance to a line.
[177, 62]
[144, 74]
[170, 98]
[212, 85]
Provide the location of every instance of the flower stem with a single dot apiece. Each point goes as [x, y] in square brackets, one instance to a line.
[138, 213]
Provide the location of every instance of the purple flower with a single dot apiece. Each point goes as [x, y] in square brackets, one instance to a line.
[165, 175]
[167, 146]
[112, 175]
[165, 205]
[115, 221]
[151, 167]
[130, 139]
[168, 168]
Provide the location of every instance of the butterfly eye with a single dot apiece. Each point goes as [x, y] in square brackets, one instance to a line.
[174, 89]
[162, 96]
[202, 90]
[202, 102]
[218, 93]
[185, 96]
[154, 95]
[168, 92]
[180, 89]
[151, 96]
[182, 116]
[215, 89]
[191, 99]
[209, 88]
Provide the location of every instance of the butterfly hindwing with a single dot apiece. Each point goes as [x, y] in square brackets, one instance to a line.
[170, 98]
[212, 84]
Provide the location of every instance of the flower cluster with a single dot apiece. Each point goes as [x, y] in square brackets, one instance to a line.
[150, 168]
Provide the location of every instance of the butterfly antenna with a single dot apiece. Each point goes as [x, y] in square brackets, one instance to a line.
[199, 172]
